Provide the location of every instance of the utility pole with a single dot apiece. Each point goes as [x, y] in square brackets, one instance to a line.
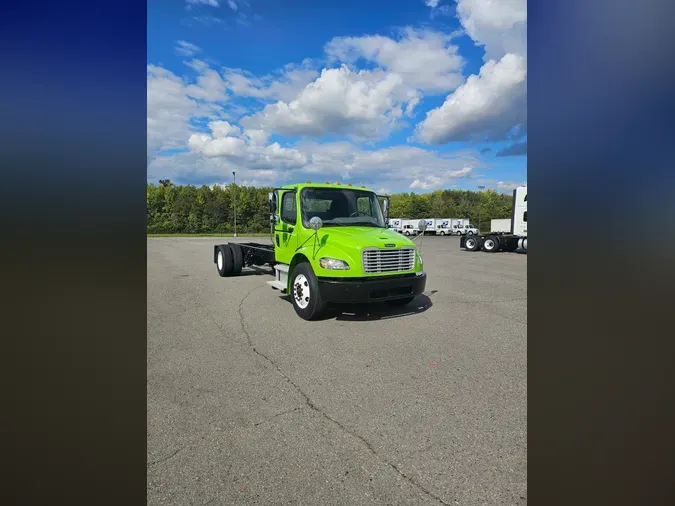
[480, 204]
[234, 175]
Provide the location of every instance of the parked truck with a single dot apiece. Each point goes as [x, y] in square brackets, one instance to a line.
[411, 227]
[395, 225]
[515, 238]
[330, 244]
[501, 225]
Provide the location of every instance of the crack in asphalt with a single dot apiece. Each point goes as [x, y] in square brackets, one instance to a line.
[164, 459]
[314, 407]
[280, 414]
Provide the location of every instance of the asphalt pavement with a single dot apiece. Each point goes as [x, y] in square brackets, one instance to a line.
[249, 404]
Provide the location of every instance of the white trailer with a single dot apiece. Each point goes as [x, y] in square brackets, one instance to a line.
[442, 226]
[410, 227]
[502, 225]
[515, 238]
[457, 226]
[395, 224]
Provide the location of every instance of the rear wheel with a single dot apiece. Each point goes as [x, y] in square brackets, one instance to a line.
[400, 302]
[305, 293]
[237, 258]
[224, 260]
[471, 244]
[490, 244]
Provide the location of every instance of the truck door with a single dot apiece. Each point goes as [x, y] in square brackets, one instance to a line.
[285, 236]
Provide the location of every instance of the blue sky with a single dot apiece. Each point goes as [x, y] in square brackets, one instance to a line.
[415, 95]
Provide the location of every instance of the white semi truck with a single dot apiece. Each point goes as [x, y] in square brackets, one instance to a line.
[515, 238]
[501, 225]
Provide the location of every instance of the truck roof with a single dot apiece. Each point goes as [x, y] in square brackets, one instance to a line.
[310, 184]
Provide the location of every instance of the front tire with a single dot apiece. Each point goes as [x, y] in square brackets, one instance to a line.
[305, 293]
[469, 232]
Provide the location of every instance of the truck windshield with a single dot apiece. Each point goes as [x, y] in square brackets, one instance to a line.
[338, 206]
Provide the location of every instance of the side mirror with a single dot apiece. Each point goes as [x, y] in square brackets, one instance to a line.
[422, 225]
[385, 208]
[315, 223]
[272, 200]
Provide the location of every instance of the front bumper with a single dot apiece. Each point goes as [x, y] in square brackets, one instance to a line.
[374, 289]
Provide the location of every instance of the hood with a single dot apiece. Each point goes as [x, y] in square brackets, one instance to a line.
[357, 238]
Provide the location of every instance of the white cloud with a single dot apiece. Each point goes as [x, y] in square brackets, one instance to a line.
[228, 142]
[186, 48]
[425, 60]
[442, 179]
[431, 3]
[488, 105]
[172, 104]
[498, 25]
[233, 5]
[212, 159]
[223, 129]
[500, 186]
[282, 85]
[362, 104]
[211, 3]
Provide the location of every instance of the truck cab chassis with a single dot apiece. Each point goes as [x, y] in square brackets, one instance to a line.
[330, 244]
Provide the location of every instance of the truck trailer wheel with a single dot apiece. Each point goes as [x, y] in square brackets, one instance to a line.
[305, 293]
[237, 258]
[490, 244]
[471, 244]
[224, 260]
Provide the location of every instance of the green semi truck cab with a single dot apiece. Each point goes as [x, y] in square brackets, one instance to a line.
[331, 244]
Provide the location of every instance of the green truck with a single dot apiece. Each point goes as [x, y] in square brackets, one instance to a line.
[331, 244]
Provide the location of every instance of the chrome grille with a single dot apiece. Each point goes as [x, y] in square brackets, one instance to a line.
[377, 260]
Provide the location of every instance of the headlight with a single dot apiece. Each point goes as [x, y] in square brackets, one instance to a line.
[333, 264]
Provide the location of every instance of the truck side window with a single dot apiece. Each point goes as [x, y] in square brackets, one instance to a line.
[289, 212]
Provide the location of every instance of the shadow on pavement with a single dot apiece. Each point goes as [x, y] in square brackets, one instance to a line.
[374, 311]
[381, 311]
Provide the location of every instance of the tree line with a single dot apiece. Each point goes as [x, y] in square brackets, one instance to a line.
[186, 209]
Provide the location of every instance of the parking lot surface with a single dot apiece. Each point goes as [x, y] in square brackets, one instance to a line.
[249, 404]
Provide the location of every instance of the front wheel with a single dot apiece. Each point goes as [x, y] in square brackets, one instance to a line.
[441, 233]
[469, 232]
[305, 293]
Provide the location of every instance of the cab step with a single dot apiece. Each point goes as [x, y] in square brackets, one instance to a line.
[280, 277]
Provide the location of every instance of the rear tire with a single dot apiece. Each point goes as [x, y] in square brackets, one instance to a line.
[305, 293]
[237, 258]
[490, 244]
[471, 244]
[399, 302]
[224, 260]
